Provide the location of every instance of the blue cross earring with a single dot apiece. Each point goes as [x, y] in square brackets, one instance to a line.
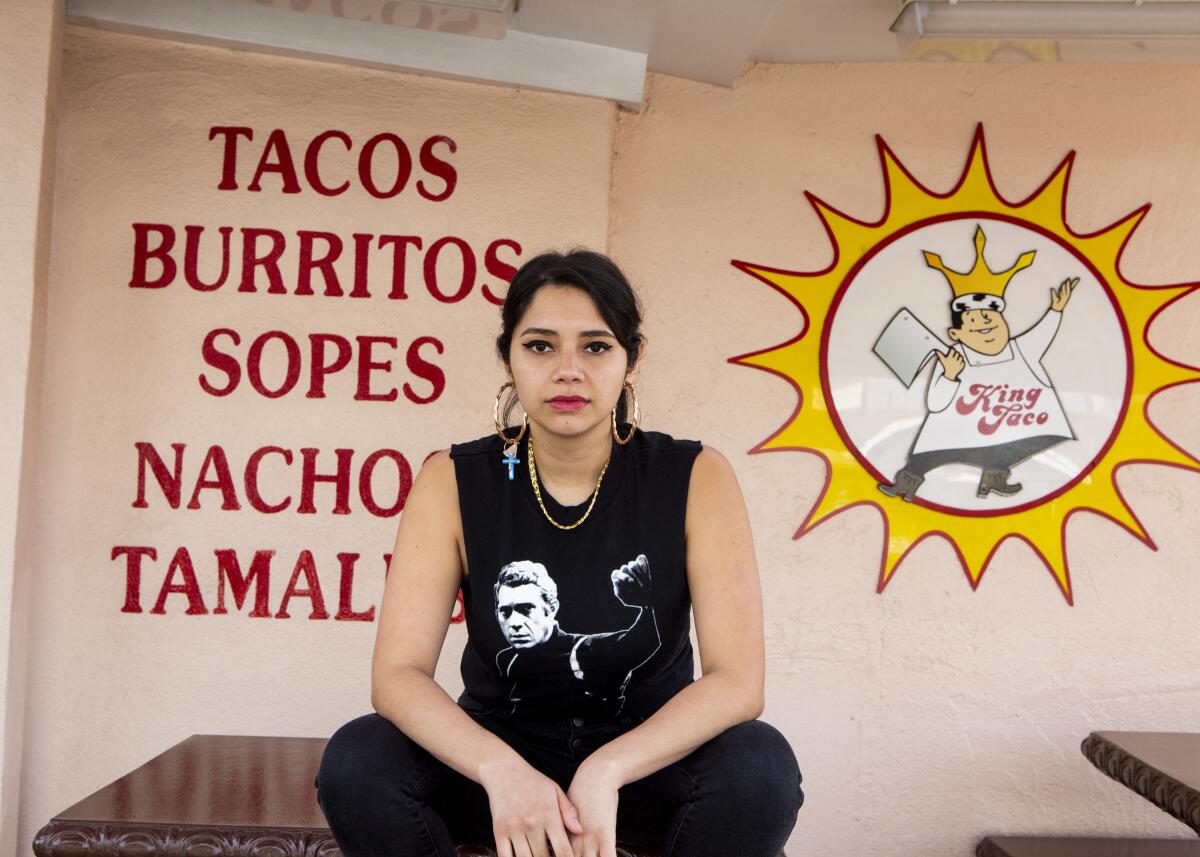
[510, 459]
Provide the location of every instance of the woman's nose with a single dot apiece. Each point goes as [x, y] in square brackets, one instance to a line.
[568, 364]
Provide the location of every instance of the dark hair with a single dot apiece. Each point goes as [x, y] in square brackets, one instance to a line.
[523, 572]
[590, 272]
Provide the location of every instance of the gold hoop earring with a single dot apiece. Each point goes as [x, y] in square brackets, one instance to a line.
[505, 439]
[636, 416]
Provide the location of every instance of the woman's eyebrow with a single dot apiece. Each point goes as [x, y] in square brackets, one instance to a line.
[545, 331]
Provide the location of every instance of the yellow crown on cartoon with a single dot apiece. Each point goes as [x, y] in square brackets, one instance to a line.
[980, 280]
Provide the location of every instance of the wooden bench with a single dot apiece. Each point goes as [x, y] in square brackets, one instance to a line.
[211, 795]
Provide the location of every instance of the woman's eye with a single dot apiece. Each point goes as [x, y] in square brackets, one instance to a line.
[597, 347]
[538, 346]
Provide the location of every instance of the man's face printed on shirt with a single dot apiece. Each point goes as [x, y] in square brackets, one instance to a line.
[523, 615]
[983, 330]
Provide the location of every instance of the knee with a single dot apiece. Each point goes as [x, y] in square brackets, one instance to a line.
[758, 765]
[359, 758]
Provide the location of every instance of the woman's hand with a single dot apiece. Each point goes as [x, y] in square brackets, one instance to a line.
[531, 817]
[594, 794]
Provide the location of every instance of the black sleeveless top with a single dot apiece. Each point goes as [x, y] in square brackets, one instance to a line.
[590, 622]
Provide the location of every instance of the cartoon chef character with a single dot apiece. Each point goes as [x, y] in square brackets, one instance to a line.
[991, 404]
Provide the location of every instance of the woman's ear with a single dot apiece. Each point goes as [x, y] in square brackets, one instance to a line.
[632, 371]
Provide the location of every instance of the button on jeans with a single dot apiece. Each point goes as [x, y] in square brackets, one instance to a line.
[735, 796]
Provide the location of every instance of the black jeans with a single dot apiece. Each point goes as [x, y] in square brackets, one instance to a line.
[734, 796]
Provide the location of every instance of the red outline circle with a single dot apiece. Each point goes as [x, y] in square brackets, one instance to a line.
[823, 361]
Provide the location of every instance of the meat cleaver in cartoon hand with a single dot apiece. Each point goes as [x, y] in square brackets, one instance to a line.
[905, 345]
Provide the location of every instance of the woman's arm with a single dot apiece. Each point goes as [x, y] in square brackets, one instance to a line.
[727, 605]
[423, 580]
[422, 583]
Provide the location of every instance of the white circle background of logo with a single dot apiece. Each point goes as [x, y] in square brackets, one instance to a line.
[1087, 363]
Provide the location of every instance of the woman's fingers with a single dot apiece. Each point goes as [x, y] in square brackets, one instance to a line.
[521, 846]
[538, 845]
[503, 847]
[570, 815]
[560, 844]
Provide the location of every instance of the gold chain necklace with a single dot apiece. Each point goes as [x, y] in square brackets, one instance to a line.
[533, 480]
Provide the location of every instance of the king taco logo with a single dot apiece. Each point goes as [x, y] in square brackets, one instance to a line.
[973, 368]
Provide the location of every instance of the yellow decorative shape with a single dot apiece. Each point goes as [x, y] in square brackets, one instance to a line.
[811, 427]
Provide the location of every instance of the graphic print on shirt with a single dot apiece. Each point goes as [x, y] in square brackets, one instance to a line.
[591, 669]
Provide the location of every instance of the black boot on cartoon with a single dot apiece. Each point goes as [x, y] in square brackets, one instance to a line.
[905, 485]
[997, 480]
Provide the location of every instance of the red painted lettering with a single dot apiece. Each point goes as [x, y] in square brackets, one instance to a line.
[305, 565]
[400, 245]
[191, 258]
[143, 253]
[320, 368]
[467, 270]
[277, 146]
[181, 562]
[424, 369]
[219, 360]
[250, 477]
[366, 166]
[269, 262]
[229, 569]
[222, 482]
[498, 268]
[311, 156]
[254, 364]
[366, 365]
[324, 264]
[346, 593]
[170, 483]
[404, 483]
[133, 574]
[309, 478]
[229, 157]
[434, 165]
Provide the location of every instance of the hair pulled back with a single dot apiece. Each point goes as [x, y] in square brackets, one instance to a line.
[590, 272]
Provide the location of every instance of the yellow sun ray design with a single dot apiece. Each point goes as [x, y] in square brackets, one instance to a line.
[814, 425]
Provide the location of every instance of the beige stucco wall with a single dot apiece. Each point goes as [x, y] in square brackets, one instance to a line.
[924, 717]
[108, 688]
[30, 48]
[928, 715]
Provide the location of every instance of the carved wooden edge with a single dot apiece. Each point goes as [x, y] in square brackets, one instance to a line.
[1167, 793]
[78, 838]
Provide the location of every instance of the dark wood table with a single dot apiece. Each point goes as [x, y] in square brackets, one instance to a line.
[1162, 767]
[211, 795]
[1076, 846]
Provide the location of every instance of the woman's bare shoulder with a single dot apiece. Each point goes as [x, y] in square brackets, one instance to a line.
[432, 504]
[711, 470]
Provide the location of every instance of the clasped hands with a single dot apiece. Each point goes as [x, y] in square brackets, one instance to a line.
[533, 817]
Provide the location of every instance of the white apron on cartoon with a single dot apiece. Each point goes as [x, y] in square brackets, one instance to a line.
[991, 403]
